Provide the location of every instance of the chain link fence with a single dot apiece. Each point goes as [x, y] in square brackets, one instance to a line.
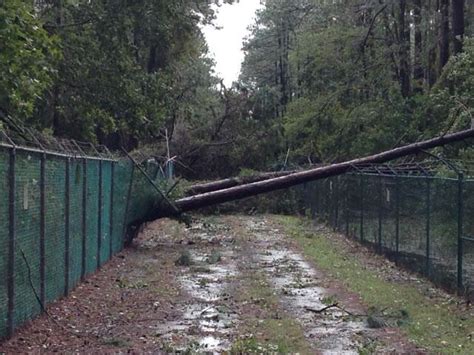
[410, 213]
[64, 210]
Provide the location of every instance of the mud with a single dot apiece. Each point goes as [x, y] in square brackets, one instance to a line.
[333, 331]
[207, 322]
[155, 305]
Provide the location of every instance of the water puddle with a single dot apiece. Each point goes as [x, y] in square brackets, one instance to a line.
[205, 322]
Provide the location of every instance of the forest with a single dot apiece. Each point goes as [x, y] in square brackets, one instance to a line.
[322, 81]
[107, 247]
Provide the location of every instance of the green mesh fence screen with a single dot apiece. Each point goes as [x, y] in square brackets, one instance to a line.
[122, 178]
[412, 219]
[467, 254]
[4, 188]
[142, 200]
[106, 210]
[27, 239]
[92, 213]
[55, 244]
[69, 217]
[76, 185]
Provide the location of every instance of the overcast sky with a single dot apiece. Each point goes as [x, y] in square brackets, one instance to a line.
[226, 44]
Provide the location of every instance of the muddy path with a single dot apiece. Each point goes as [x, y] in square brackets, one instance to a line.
[225, 284]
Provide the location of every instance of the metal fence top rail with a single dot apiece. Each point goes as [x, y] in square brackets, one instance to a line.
[430, 168]
[28, 140]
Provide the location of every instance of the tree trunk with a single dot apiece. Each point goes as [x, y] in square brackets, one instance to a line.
[239, 192]
[458, 25]
[231, 182]
[56, 91]
[404, 45]
[443, 35]
[418, 72]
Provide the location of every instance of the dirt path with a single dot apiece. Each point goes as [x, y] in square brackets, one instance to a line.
[234, 283]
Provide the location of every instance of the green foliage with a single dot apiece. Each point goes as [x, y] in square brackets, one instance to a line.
[453, 96]
[27, 58]
[330, 76]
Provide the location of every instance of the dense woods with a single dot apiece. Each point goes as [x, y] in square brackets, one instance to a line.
[322, 81]
[344, 78]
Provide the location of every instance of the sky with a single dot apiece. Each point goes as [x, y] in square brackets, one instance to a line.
[225, 45]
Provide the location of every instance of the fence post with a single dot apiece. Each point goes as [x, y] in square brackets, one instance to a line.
[336, 204]
[316, 200]
[380, 213]
[428, 225]
[311, 199]
[99, 218]
[11, 244]
[397, 218]
[346, 204]
[67, 199]
[127, 205]
[111, 231]
[84, 219]
[361, 207]
[42, 228]
[460, 231]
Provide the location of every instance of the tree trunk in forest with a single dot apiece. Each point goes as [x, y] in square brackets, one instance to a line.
[431, 46]
[239, 192]
[418, 72]
[404, 45]
[151, 67]
[56, 91]
[458, 25]
[443, 35]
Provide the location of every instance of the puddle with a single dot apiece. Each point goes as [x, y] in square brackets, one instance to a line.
[211, 343]
[295, 281]
[206, 322]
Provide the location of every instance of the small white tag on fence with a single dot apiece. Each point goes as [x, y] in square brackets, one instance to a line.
[388, 195]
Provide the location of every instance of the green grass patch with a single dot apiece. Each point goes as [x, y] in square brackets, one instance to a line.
[267, 329]
[117, 342]
[438, 326]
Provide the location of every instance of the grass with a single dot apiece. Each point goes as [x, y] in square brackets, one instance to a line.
[117, 342]
[267, 330]
[436, 325]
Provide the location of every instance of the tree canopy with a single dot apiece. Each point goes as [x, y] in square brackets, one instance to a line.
[322, 81]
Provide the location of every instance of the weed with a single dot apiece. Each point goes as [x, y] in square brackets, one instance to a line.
[272, 331]
[329, 300]
[117, 342]
[253, 346]
[203, 282]
[201, 269]
[368, 347]
[214, 258]
[184, 259]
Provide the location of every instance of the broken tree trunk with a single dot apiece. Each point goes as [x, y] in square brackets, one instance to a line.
[235, 181]
[255, 188]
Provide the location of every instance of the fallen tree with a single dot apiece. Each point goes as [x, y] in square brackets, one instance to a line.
[235, 181]
[282, 182]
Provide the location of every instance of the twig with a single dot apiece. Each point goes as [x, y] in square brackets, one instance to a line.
[334, 305]
[317, 311]
[43, 308]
